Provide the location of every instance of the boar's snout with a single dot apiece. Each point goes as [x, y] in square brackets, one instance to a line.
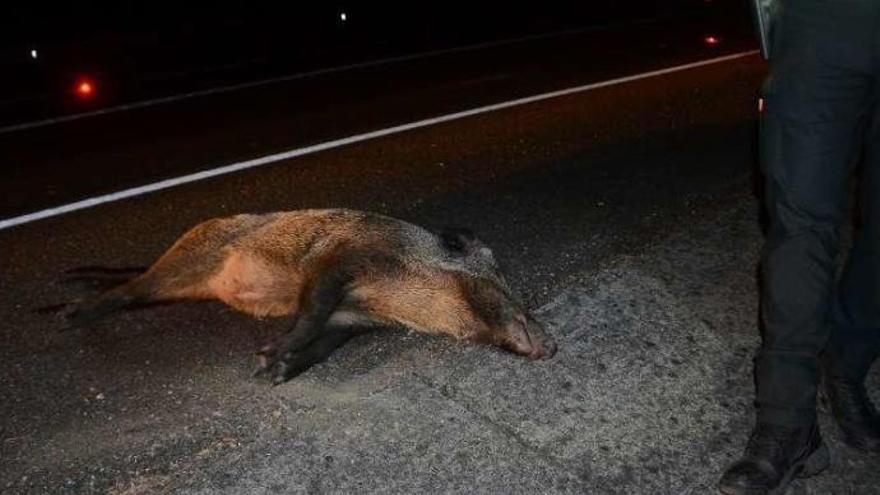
[526, 337]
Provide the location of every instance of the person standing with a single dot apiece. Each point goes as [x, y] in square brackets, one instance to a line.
[820, 118]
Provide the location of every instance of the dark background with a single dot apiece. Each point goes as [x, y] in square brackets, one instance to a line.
[134, 50]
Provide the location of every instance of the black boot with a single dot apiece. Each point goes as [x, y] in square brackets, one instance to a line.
[854, 412]
[775, 454]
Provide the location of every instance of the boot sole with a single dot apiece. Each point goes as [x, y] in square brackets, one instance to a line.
[814, 464]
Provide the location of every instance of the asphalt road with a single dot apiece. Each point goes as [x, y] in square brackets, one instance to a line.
[58, 164]
[626, 216]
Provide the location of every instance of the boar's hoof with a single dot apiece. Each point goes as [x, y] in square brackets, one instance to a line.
[289, 366]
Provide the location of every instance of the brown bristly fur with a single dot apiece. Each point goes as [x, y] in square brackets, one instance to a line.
[329, 270]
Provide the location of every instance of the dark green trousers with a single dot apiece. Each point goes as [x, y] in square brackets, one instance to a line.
[820, 120]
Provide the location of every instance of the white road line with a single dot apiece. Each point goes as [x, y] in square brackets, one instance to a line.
[302, 75]
[257, 162]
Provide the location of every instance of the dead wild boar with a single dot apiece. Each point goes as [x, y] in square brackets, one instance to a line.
[331, 272]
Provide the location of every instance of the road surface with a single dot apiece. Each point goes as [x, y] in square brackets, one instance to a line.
[626, 216]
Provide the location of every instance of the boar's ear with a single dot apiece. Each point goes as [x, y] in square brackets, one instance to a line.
[457, 240]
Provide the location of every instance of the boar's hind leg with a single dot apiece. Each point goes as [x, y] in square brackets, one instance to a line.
[100, 278]
[136, 291]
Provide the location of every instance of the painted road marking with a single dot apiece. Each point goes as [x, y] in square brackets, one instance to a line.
[337, 143]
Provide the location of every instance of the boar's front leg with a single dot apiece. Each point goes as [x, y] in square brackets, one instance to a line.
[294, 362]
[310, 336]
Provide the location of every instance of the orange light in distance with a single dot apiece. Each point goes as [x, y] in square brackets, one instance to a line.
[711, 40]
[85, 88]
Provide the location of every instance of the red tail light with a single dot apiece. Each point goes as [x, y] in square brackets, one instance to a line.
[85, 88]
